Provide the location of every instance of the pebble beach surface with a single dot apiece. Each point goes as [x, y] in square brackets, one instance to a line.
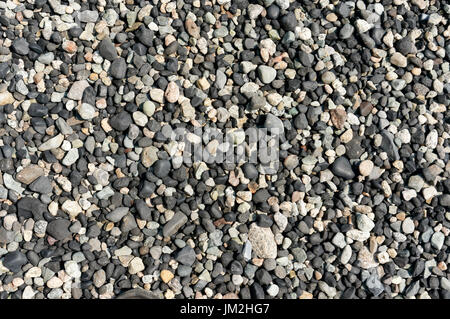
[97, 199]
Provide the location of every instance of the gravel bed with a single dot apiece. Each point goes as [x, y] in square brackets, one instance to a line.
[115, 117]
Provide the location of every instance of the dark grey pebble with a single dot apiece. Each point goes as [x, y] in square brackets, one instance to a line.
[59, 228]
[14, 260]
[341, 167]
[41, 185]
[107, 49]
[186, 256]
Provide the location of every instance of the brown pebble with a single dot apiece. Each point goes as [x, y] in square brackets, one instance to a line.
[338, 118]
[365, 108]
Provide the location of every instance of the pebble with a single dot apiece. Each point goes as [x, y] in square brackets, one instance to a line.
[263, 241]
[366, 167]
[118, 68]
[267, 74]
[14, 261]
[29, 174]
[341, 167]
[59, 228]
[399, 60]
[172, 226]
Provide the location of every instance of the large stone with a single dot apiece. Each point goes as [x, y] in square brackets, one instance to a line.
[29, 174]
[186, 256]
[107, 49]
[52, 143]
[266, 74]
[121, 121]
[59, 228]
[118, 68]
[77, 89]
[6, 98]
[30, 207]
[117, 214]
[14, 261]
[172, 226]
[20, 46]
[341, 167]
[263, 241]
[41, 185]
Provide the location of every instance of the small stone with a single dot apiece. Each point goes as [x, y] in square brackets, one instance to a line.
[186, 256]
[46, 58]
[121, 121]
[291, 162]
[346, 254]
[72, 269]
[54, 282]
[365, 224]
[274, 123]
[192, 28]
[365, 108]
[328, 78]
[374, 285]
[148, 108]
[288, 21]
[72, 208]
[20, 46]
[52, 143]
[140, 118]
[86, 111]
[90, 16]
[161, 168]
[11, 184]
[6, 98]
[117, 214]
[250, 171]
[346, 31]
[99, 278]
[71, 157]
[405, 46]
[408, 226]
[157, 95]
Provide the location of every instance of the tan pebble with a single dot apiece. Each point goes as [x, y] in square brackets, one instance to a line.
[366, 167]
[401, 216]
[306, 295]
[166, 275]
